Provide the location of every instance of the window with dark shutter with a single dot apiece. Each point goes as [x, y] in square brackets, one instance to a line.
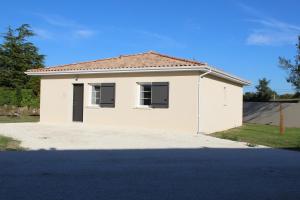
[160, 95]
[107, 99]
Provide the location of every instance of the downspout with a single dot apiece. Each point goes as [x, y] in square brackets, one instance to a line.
[199, 81]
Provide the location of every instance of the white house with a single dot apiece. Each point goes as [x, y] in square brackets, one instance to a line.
[147, 90]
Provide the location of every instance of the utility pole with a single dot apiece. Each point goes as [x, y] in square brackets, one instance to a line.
[282, 128]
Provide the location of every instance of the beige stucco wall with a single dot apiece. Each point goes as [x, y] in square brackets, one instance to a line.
[57, 95]
[181, 116]
[221, 104]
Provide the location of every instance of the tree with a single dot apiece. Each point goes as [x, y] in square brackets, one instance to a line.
[286, 96]
[293, 69]
[250, 96]
[296, 95]
[34, 84]
[263, 92]
[17, 55]
[18, 96]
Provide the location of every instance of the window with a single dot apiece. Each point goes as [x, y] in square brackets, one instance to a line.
[145, 94]
[155, 94]
[103, 95]
[95, 95]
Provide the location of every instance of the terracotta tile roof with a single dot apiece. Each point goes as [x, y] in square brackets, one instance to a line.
[148, 59]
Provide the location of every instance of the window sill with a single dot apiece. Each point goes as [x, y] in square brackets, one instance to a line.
[93, 107]
[143, 107]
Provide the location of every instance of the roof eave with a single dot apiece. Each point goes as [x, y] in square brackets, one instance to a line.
[227, 76]
[202, 68]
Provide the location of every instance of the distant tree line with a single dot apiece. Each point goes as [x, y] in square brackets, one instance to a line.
[18, 54]
[265, 93]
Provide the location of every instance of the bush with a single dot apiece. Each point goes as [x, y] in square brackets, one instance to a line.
[7, 96]
[18, 97]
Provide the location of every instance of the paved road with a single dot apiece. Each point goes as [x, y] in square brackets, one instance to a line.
[174, 174]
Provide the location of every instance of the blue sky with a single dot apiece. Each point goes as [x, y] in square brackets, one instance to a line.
[241, 37]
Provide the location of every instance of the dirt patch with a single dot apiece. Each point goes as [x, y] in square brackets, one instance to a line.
[18, 111]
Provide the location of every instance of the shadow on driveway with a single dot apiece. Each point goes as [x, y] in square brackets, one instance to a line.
[150, 174]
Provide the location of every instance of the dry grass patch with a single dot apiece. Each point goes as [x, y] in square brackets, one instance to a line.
[9, 144]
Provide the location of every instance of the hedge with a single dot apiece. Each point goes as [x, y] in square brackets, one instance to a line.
[18, 97]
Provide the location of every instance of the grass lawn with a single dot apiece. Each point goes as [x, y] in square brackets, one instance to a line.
[266, 135]
[7, 119]
[9, 144]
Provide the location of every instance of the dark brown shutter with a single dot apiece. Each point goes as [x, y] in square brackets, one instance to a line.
[107, 95]
[160, 95]
[78, 102]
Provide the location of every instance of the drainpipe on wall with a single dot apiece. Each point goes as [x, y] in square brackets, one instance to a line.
[208, 71]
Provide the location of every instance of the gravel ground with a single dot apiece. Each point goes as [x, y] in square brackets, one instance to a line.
[36, 136]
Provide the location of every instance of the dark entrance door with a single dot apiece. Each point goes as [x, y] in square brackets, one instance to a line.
[77, 102]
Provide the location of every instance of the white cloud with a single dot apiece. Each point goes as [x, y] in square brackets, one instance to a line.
[269, 31]
[43, 33]
[84, 33]
[257, 38]
[266, 37]
[250, 10]
[60, 21]
[273, 23]
[63, 27]
[273, 32]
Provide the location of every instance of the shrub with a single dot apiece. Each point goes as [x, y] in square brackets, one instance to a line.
[6, 96]
[29, 99]
[18, 97]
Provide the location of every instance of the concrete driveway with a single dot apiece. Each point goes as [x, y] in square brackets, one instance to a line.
[141, 166]
[76, 136]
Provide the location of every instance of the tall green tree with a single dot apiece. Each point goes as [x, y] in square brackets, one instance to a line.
[263, 92]
[18, 54]
[293, 69]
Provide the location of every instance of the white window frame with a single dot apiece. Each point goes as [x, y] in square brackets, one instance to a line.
[91, 86]
[138, 100]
